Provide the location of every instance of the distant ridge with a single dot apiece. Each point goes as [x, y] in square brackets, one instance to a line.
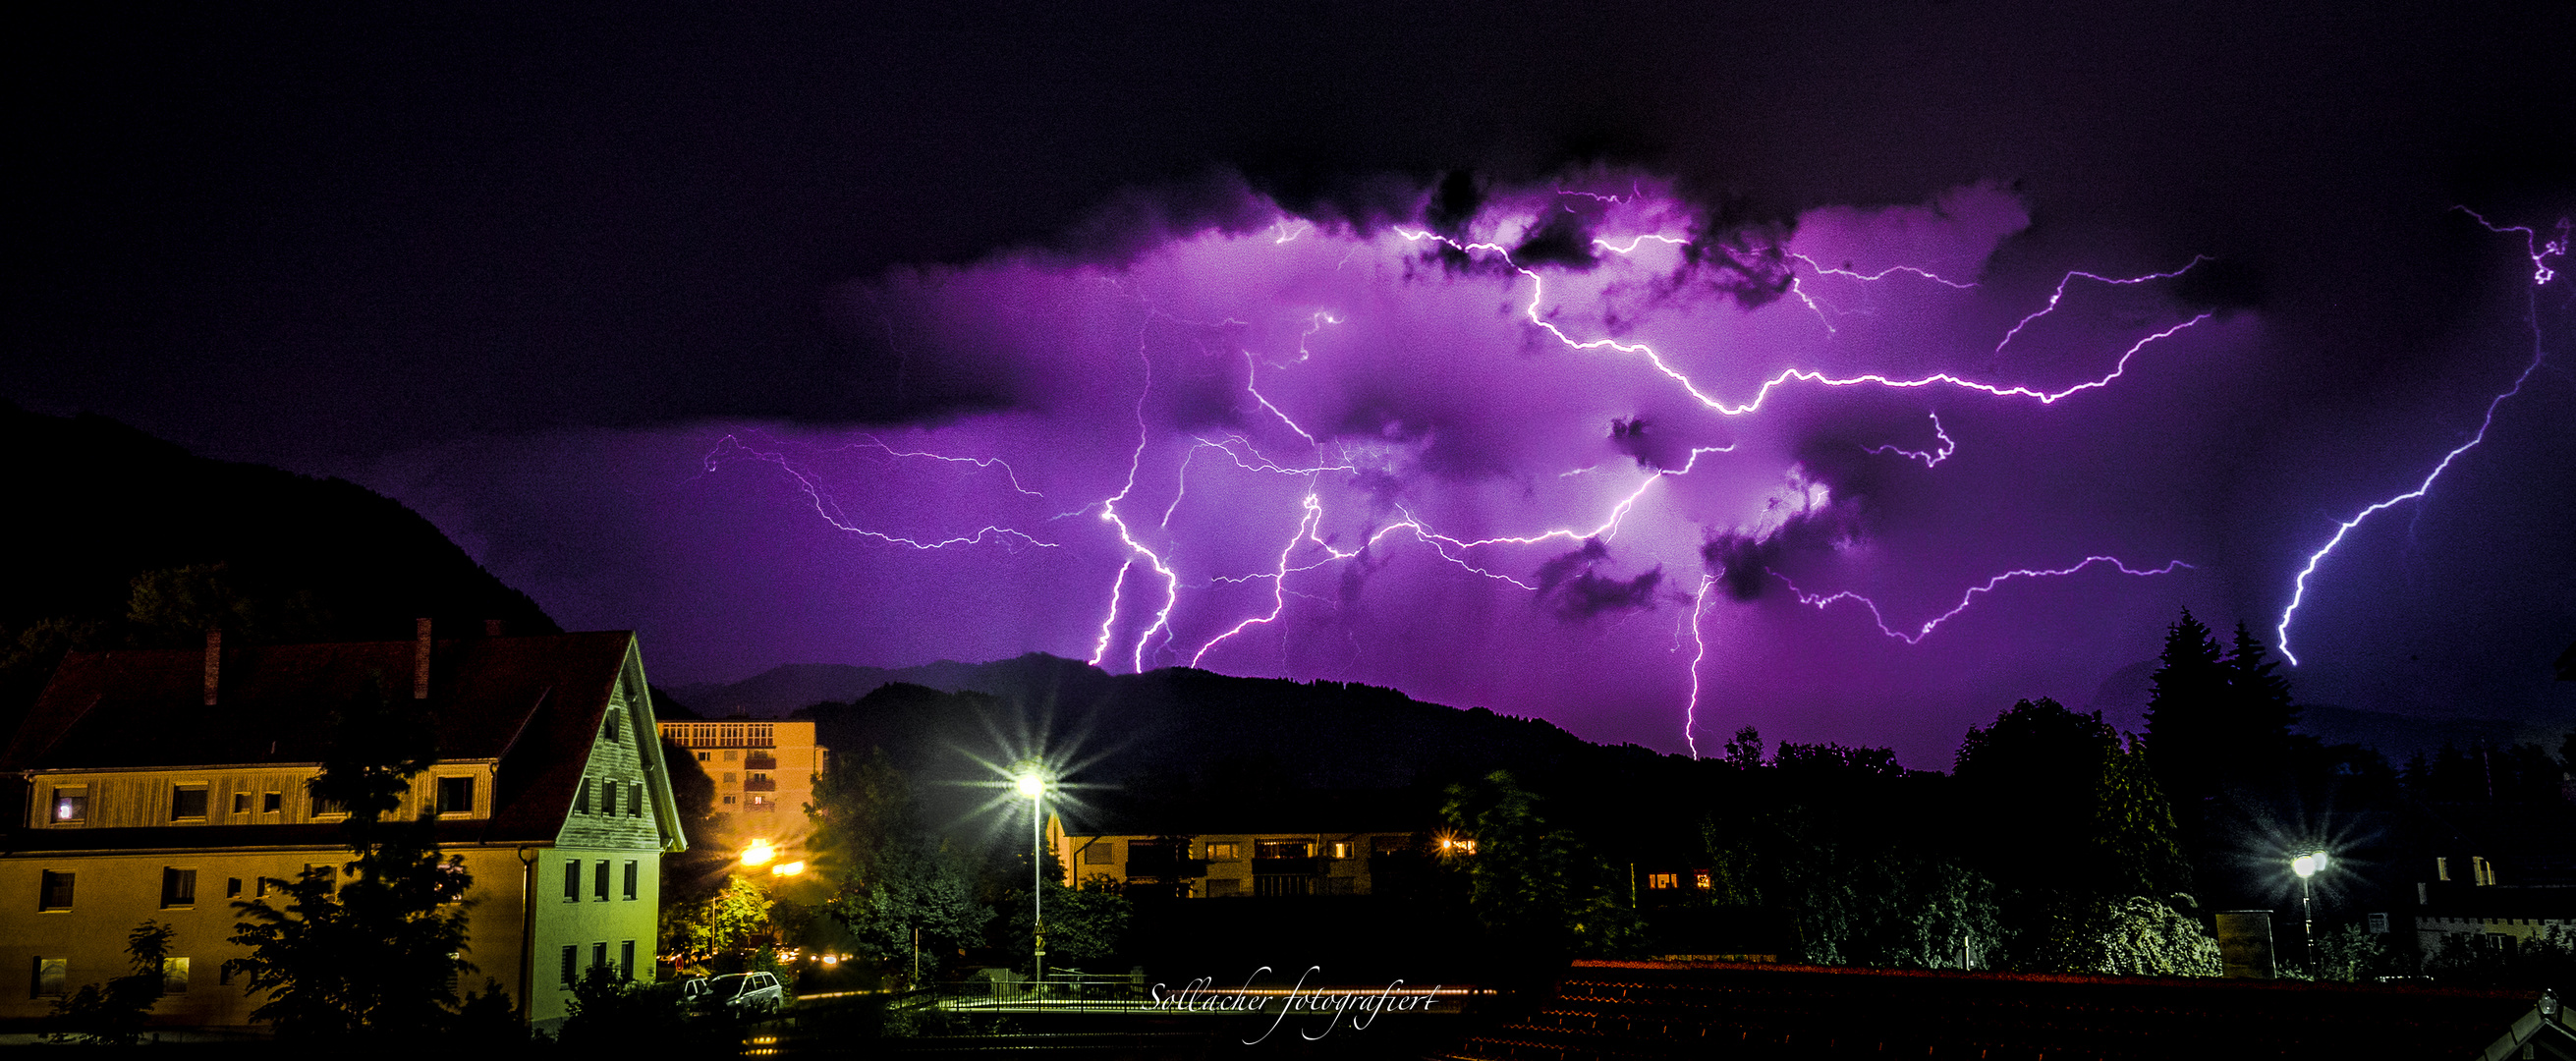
[776, 692]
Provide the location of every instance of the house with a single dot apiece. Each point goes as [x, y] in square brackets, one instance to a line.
[763, 773]
[171, 784]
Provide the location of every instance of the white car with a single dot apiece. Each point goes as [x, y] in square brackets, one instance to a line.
[744, 992]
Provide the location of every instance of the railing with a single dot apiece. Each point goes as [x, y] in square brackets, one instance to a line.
[1073, 992]
[721, 734]
[759, 761]
[760, 784]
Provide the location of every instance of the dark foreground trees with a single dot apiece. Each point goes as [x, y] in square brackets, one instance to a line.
[376, 954]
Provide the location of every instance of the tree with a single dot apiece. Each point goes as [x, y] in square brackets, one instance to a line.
[895, 877]
[2184, 710]
[1081, 923]
[112, 1014]
[375, 956]
[1533, 882]
[2259, 709]
[717, 924]
[2136, 845]
[2132, 936]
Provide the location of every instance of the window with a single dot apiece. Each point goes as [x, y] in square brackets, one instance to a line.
[599, 884]
[1223, 852]
[728, 779]
[232, 887]
[731, 755]
[1342, 848]
[187, 801]
[1100, 853]
[1388, 845]
[1663, 881]
[259, 888]
[581, 799]
[1703, 880]
[223, 976]
[2481, 871]
[71, 805]
[608, 798]
[635, 800]
[174, 975]
[598, 955]
[630, 887]
[728, 799]
[328, 873]
[325, 806]
[569, 949]
[705, 756]
[49, 977]
[272, 802]
[241, 802]
[608, 730]
[626, 958]
[1282, 849]
[178, 887]
[572, 888]
[2441, 868]
[456, 795]
[56, 893]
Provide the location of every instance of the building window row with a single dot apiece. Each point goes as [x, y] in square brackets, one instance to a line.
[631, 879]
[625, 966]
[50, 977]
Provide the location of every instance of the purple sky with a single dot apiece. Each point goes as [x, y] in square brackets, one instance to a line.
[876, 341]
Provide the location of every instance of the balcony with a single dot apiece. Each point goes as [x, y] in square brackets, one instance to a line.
[1300, 866]
[761, 784]
[760, 761]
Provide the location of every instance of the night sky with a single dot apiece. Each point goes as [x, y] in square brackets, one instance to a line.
[1654, 370]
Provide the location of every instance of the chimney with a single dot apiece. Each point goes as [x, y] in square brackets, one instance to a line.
[420, 659]
[214, 661]
[493, 627]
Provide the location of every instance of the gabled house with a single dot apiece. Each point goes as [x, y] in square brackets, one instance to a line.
[170, 784]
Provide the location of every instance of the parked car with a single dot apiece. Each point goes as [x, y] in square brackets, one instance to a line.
[740, 992]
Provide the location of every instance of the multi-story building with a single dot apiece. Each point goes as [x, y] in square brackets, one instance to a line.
[169, 785]
[764, 774]
[1227, 865]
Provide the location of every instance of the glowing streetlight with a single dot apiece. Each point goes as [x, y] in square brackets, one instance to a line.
[787, 869]
[1029, 779]
[758, 853]
[2306, 866]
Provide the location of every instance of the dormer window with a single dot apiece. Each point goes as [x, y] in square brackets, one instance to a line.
[71, 805]
[581, 799]
[456, 795]
[188, 803]
[608, 732]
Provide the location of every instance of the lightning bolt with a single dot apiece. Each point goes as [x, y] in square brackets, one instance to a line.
[732, 448]
[1930, 459]
[1820, 601]
[2540, 254]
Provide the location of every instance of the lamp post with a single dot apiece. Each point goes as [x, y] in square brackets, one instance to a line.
[1030, 780]
[2307, 866]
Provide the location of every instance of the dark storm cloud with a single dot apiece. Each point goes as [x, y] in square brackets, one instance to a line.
[1570, 587]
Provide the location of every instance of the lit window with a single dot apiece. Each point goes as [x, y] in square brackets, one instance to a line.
[56, 893]
[178, 887]
[1703, 880]
[1341, 849]
[51, 974]
[1663, 881]
[1283, 849]
[174, 975]
[71, 805]
[188, 802]
[1223, 852]
[456, 795]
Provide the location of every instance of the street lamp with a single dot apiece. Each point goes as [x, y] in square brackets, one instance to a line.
[2307, 866]
[758, 853]
[1029, 778]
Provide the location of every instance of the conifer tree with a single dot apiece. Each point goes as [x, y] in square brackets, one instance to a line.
[2186, 711]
